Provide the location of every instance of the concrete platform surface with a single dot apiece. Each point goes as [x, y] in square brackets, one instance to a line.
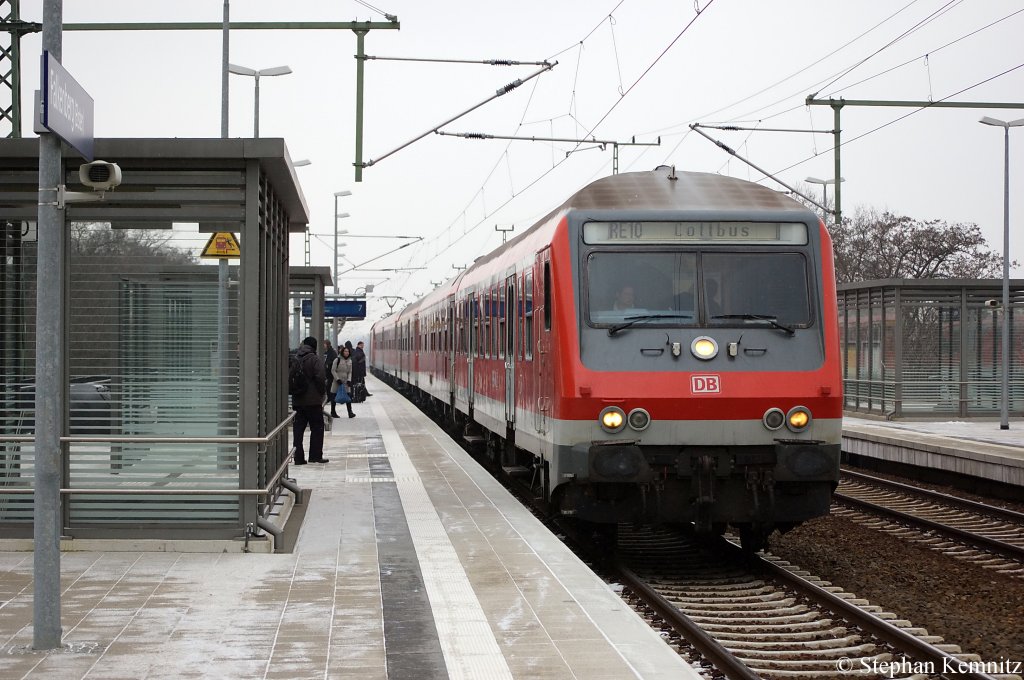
[411, 563]
[971, 447]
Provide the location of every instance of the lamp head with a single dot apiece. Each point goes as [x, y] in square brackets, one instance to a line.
[275, 71]
[241, 70]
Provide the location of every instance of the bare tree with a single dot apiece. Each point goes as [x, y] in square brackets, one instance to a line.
[882, 245]
[98, 239]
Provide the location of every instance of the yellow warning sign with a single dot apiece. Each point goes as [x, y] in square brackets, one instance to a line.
[222, 244]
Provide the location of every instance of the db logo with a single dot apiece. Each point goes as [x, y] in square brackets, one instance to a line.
[705, 384]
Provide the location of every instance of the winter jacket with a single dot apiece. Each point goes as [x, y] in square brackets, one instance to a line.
[358, 365]
[313, 367]
[342, 371]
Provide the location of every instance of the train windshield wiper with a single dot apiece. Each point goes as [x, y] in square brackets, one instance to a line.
[630, 320]
[773, 320]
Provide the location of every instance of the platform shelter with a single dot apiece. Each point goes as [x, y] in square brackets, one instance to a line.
[924, 348]
[176, 408]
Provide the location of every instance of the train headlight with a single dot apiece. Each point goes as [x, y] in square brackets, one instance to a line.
[612, 419]
[798, 418]
[704, 348]
[639, 419]
[773, 418]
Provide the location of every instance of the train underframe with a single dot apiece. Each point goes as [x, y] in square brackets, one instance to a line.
[756, 489]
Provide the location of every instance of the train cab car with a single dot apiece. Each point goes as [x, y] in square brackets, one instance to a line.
[661, 347]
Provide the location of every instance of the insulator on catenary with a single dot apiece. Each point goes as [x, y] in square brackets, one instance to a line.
[511, 86]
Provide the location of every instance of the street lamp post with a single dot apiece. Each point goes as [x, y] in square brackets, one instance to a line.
[244, 71]
[337, 216]
[1004, 412]
[824, 189]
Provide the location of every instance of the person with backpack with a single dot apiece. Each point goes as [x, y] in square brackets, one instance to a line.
[359, 373]
[306, 384]
[329, 356]
[342, 372]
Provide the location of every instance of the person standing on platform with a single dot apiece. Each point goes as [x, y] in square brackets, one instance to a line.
[359, 368]
[342, 372]
[329, 356]
[308, 403]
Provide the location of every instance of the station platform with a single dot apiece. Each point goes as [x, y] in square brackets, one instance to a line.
[968, 447]
[411, 562]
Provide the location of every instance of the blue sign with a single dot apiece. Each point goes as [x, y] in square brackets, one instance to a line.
[337, 309]
[67, 107]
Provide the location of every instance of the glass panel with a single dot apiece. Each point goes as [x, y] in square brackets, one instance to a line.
[761, 284]
[146, 357]
[622, 285]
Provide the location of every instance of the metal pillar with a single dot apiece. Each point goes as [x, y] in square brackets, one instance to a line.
[51, 381]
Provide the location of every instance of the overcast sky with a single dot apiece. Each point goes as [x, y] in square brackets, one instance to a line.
[635, 68]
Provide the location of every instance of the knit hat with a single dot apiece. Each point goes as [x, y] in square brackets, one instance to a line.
[310, 342]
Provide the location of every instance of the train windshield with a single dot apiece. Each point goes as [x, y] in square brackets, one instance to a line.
[689, 288]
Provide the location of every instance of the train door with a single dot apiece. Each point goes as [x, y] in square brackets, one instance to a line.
[542, 377]
[509, 341]
[470, 317]
[417, 330]
[449, 363]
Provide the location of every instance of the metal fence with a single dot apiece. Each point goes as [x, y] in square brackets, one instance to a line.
[930, 347]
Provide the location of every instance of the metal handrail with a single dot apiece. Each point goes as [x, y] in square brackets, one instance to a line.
[266, 491]
[138, 439]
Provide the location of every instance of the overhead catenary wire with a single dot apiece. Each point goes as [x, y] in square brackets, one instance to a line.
[500, 92]
[434, 60]
[590, 131]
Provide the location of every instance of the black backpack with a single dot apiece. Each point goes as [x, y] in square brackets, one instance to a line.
[298, 381]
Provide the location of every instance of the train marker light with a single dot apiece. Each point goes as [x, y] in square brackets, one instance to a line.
[639, 419]
[798, 418]
[612, 419]
[773, 418]
[704, 348]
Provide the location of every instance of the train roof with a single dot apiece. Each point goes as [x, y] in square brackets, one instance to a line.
[661, 189]
[656, 190]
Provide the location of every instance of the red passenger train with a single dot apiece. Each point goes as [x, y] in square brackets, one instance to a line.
[661, 347]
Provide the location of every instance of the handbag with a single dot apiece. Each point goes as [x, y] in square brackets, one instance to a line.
[342, 397]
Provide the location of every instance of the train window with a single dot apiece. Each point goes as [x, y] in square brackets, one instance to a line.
[474, 319]
[494, 322]
[528, 312]
[756, 284]
[486, 337]
[500, 313]
[622, 285]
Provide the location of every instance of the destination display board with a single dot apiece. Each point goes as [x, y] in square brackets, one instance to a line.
[748, 233]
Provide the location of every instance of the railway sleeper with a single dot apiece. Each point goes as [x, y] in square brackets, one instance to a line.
[769, 667]
[783, 637]
[806, 653]
[785, 643]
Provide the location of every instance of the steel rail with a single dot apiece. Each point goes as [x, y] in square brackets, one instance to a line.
[1003, 513]
[723, 660]
[885, 631]
[974, 540]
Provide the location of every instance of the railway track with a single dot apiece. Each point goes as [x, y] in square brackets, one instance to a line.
[989, 536]
[762, 617]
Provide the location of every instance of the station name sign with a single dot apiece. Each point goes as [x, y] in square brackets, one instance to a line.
[750, 233]
[67, 108]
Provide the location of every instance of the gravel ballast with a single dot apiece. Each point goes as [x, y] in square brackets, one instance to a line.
[967, 605]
